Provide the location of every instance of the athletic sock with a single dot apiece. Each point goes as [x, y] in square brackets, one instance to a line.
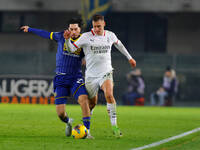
[111, 108]
[91, 112]
[65, 119]
[86, 122]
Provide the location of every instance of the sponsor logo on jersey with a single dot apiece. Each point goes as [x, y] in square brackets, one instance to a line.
[100, 49]
[92, 40]
[105, 47]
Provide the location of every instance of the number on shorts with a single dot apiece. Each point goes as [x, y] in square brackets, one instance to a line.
[80, 80]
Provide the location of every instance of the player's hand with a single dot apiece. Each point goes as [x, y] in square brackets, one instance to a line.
[83, 62]
[67, 34]
[132, 62]
[24, 28]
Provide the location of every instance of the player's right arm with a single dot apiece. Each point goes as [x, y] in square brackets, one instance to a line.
[73, 46]
[118, 44]
[39, 32]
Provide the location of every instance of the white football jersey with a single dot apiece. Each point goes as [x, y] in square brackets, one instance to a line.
[97, 50]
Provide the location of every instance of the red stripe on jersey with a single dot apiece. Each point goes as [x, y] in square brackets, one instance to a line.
[75, 45]
[116, 42]
[92, 32]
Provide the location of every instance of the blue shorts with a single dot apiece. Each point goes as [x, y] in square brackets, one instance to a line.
[67, 85]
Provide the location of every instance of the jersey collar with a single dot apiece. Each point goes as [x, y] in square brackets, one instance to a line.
[93, 33]
[74, 40]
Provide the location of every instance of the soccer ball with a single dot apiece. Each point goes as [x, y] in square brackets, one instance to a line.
[79, 132]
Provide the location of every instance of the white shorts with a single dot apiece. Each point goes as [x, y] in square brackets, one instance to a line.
[93, 84]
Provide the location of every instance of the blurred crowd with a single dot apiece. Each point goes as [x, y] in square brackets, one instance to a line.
[163, 96]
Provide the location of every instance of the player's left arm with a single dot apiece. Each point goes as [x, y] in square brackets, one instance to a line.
[39, 32]
[42, 33]
[118, 44]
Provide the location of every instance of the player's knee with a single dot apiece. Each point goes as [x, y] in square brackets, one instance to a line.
[83, 99]
[109, 97]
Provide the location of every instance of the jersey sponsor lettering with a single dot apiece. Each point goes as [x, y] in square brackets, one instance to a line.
[100, 49]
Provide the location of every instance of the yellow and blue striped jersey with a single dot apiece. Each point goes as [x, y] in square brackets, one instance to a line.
[67, 62]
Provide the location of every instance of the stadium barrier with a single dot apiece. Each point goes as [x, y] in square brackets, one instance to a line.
[152, 66]
[26, 90]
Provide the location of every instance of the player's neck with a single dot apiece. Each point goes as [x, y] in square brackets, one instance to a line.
[101, 34]
[74, 38]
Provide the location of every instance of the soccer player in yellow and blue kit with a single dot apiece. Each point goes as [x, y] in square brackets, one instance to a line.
[68, 78]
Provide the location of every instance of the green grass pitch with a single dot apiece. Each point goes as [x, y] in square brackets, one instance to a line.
[37, 127]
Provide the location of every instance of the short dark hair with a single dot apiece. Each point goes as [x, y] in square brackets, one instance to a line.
[97, 17]
[75, 21]
[168, 68]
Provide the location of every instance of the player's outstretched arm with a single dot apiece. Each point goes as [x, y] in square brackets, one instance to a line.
[42, 33]
[132, 62]
[24, 28]
[124, 51]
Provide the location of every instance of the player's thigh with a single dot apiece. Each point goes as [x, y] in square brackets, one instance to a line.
[83, 99]
[106, 84]
[92, 86]
[107, 87]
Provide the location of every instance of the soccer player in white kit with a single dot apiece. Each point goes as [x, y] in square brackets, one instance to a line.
[97, 45]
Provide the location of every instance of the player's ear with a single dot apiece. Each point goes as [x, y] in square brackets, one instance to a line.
[104, 23]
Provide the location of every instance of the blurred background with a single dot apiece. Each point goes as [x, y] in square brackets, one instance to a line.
[156, 33]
